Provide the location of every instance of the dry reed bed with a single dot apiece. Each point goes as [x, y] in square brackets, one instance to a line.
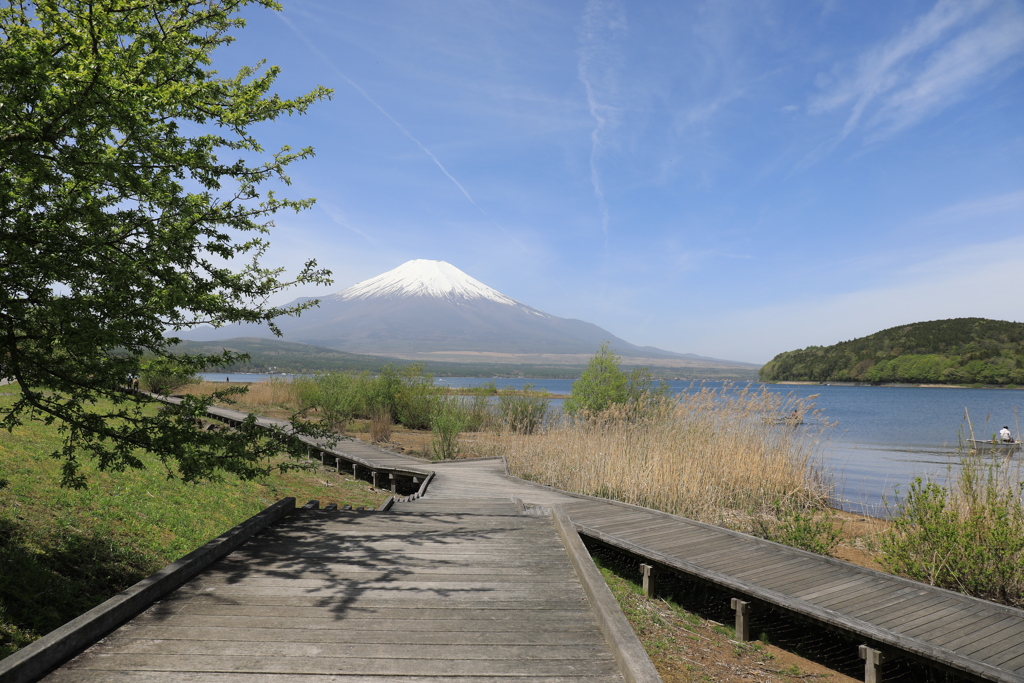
[272, 394]
[722, 457]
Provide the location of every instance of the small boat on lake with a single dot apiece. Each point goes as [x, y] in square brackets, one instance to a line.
[994, 445]
[785, 420]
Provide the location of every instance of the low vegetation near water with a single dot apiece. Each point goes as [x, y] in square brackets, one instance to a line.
[965, 534]
[957, 351]
[725, 456]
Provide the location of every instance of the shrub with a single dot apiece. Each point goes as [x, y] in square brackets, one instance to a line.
[416, 397]
[163, 375]
[967, 535]
[800, 524]
[337, 395]
[522, 412]
[447, 422]
[604, 384]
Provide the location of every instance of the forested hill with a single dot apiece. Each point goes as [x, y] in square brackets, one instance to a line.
[957, 351]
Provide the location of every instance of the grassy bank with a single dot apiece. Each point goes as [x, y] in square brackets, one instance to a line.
[64, 551]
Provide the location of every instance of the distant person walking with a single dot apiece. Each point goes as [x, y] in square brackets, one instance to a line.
[1005, 436]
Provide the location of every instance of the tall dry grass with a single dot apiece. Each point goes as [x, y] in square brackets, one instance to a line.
[721, 456]
[266, 396]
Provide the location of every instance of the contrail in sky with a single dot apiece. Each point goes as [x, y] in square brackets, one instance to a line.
[603, 22]
[313, 48]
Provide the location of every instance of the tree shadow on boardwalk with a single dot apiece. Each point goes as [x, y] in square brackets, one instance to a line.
[345, 565]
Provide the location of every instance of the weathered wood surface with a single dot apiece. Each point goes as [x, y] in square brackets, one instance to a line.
[973, 636]
[429, 591]
[978, 637]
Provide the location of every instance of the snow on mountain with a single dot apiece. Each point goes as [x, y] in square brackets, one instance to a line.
[425, 306]
[422, 277]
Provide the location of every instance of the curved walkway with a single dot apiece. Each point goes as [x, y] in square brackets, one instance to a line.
[889, 615]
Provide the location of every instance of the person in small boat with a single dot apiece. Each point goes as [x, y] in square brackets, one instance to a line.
[1005, 436]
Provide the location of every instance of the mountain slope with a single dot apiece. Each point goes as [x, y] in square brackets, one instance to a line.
[956, 351]
[425, 307]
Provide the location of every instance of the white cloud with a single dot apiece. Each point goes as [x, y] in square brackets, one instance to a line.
[929, 66]
[978, 208]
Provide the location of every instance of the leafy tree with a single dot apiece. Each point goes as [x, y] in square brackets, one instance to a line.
[604, 383]
[129, 177]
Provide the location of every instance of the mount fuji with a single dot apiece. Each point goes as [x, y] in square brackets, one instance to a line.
[431, 309]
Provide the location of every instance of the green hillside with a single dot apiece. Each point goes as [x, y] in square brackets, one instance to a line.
[956, 351]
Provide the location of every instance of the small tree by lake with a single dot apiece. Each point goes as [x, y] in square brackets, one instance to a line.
[604, 384]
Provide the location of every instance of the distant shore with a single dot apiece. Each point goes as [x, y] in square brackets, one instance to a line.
[894, 384]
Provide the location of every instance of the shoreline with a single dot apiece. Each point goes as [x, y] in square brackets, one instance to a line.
[891, 384]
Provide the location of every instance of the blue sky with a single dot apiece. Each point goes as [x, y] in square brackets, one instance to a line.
[728, 178]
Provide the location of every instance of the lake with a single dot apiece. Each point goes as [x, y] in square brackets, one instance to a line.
[884, 436]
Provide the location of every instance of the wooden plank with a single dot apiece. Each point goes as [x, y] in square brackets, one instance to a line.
[806, 576]
[765, 575]
[1012, 657]
[875, 597]
[894, 606]
[286, 635]
[409, 650]
[999, 647]
[962, 620]
[914, 614]
[332, 665]
[577, 610]
[844, 583]
[979, 638]
[84, 676]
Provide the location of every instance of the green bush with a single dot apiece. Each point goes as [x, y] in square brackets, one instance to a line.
[604, 384]
[163, 375]
[522, 412]
[447, 422]
[339, 396]
[967, 536]
[416, 397]
[807, 527]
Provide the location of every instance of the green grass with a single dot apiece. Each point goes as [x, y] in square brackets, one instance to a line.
[64, 551]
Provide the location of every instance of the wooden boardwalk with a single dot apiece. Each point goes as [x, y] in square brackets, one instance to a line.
[889, 615]
[431, 591]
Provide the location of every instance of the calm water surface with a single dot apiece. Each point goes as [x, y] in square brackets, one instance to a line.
[883, 437]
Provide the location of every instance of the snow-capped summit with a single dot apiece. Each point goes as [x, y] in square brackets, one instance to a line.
[432, 307]
[422, 277]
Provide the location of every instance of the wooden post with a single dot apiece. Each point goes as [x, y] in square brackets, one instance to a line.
[873, 661]
[394, 482]
[648, 571]
[355, 471]
[374, 476]
[742, 608]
